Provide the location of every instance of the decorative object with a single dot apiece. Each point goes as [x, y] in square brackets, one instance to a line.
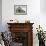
[41, 36]
[1, 40]
[27, 21]
[20, 9]
[7, 38]
[45, 35]
[13, 21]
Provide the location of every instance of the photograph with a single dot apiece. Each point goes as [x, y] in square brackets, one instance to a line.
[20, 9]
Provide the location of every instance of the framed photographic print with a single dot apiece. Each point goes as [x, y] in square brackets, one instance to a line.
[20, 9]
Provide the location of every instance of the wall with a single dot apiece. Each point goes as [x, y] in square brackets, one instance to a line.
[43, 6]
[33, 14]
[43, 14]
[33, 11]
[0, 15]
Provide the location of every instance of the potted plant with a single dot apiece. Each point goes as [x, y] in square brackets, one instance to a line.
[41, 36]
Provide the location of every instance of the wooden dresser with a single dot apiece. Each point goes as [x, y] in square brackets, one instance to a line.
[22, 33]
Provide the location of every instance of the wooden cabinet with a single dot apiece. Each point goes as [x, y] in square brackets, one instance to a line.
[22, 33]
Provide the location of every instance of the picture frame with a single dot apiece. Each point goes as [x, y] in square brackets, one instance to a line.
[20, 9]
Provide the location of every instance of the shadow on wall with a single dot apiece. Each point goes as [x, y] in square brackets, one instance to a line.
[0, 15]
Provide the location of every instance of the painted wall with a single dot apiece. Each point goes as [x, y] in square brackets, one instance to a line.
[33, 14]
[43, 14]
[43, 6]
[33, 11]
[0, 15]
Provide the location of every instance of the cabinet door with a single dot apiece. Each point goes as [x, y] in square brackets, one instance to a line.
[23, 38]
[20, 38]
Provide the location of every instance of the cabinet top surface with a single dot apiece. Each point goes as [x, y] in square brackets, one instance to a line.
[19, 23]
